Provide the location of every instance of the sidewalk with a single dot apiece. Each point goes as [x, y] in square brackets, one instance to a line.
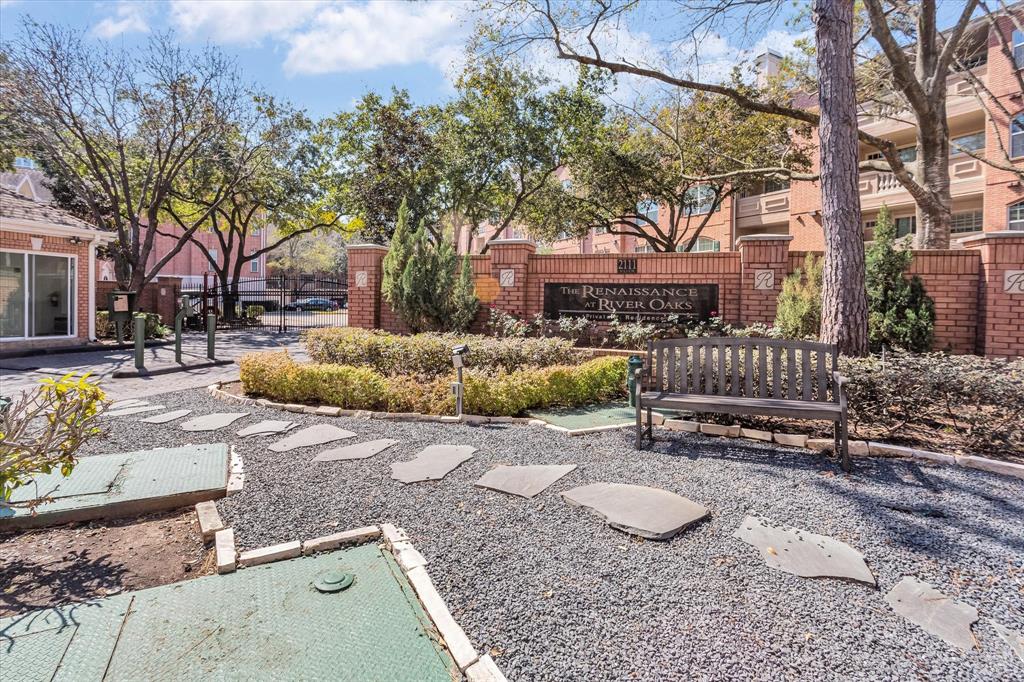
[19, 374]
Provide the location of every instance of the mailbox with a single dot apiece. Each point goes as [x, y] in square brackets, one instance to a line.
[120, 304]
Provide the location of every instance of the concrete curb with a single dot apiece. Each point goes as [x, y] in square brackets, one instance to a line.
[168, 369]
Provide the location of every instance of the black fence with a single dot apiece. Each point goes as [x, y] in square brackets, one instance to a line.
[275, 302]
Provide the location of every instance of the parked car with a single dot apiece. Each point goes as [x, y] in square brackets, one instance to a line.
[311, 304]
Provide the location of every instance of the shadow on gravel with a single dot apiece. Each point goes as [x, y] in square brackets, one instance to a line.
[933, 514]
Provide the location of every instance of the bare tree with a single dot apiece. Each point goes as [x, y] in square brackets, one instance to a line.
[120, 129]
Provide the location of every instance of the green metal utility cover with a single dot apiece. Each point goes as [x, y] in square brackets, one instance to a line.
[333, 581]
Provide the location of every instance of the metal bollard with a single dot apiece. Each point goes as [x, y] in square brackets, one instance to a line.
[139, 332]
[178, 320]
[211, 328]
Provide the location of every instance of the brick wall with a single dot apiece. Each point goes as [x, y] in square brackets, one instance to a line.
[157, 297]
[21, 241]
[1000, 331]
[974, 311]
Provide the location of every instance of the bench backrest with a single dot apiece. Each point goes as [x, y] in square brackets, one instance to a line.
[745, 367]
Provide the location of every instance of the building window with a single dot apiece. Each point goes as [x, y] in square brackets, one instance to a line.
[648, 209]
[37, 295]
[905, 226]
[874, 156]
[704, 244]
[213, 255]
[699, 200]
[1017, 137]
[975, 142]
[1016, 217]
[601, 230]
[775, 186]
[562, 236]
[254, 266]
[1018, 49]
[24, 162]
[643, 248]
[966, 221]
[907, 154]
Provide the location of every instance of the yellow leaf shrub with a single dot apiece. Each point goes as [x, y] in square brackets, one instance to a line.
[278, 377]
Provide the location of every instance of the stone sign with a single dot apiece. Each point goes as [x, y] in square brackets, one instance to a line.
[764, 279]
[507, 278]
[646, 302]
[362, 279]
[1013, 281]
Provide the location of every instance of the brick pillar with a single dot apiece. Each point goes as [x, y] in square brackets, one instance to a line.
[1000, 293]
[510, 259]
[365, 272]
[764, 263]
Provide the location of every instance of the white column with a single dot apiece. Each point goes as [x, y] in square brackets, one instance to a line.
[92, 290]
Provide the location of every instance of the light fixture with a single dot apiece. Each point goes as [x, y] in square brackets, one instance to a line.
[75, 240]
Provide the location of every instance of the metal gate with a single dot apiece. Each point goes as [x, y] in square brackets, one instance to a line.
[279, 303]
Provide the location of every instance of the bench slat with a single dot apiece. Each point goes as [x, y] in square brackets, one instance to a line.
[748, 370]
[777, 371]
[762, 377]
[672, 369]
[822, 378]
[734, 383]
[791, 373]
[758, 406]
[721, 369]
[806, 378]
[709, 377]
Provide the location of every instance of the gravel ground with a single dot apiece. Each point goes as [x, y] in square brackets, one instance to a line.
[553, 593]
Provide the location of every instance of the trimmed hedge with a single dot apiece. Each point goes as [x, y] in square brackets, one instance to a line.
[276, 376]
[430, 354]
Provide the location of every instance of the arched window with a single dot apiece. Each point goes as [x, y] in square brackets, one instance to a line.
[1015, 217]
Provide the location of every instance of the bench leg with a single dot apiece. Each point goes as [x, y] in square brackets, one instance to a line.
[650, 425]
[844, 435]
[837, 447]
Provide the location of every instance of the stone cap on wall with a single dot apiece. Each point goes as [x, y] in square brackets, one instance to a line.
[1002, 234]
[366, 246]
[513, 242]
[764, 238]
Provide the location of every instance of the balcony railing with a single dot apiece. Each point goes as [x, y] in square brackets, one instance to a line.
[776, 202]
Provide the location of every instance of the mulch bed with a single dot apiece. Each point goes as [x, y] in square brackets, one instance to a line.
[75, 562]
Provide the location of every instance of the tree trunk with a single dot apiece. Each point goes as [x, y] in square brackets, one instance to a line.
[843, 297]
[935, 215]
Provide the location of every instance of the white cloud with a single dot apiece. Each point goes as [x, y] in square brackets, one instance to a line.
[347, 37]
[242, 21]
[128, 17]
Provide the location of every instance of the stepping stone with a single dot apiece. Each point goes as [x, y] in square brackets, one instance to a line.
[212, 422]
[166, 417]
[138, 409]
[267, 427]
[432, 463]
[525, 481]
[802, 553]
[1013, 639]
[357, 451]
[311, 435]
[131, 402]
[938, 614]
[648, 512]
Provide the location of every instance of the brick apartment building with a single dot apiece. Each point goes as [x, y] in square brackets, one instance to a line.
[985, 199]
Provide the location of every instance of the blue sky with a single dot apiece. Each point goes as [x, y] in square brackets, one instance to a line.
[321, 55]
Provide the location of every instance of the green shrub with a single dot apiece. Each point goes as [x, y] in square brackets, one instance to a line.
[422, 282]
[798, 315]
[975, 401]
[254, 312]
[276, 376]
[430, 354]
[155, 329]
[900, 313]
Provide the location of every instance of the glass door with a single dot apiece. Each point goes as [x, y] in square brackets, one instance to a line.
[52, 296]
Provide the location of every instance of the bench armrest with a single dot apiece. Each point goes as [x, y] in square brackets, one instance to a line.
[840, 382]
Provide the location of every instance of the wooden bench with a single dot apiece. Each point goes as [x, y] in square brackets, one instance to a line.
[725, 375]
